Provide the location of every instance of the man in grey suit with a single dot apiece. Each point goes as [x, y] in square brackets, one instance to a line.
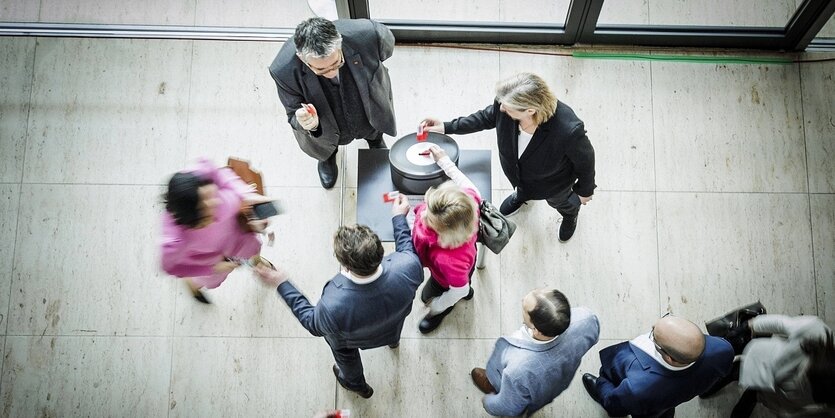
[531, 367]
[365, 305]
[335, 88]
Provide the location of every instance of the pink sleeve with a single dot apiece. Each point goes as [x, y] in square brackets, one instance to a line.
[175, 260]
[223, 177]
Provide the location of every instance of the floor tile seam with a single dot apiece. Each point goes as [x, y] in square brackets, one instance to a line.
[188, 100]
[171, 358]
[655, 187]
[808, 189]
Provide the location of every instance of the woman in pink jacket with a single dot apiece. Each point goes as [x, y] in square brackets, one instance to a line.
[444, 234]
[201, 235]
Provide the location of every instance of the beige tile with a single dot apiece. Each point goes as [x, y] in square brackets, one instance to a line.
[721, 13]
[615, 104]
[611, 262]
[259, 13]
[728, 127]
[234, 110]
[9, 202]
[154, 12]
[423, 377]
[303, 247]
[471, 10]
[818, 105]
[108, 111]
[720, 251]
[16, 63]
[823, 238]
[19, 10]
[87, 262]
[73, 376]
[251, 377]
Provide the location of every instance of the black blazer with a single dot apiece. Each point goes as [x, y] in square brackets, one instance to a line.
[559, 154]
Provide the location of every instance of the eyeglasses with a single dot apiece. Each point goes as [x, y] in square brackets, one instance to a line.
[322, 71]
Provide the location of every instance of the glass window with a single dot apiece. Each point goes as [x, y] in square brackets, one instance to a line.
[738, 13]
[516, 11]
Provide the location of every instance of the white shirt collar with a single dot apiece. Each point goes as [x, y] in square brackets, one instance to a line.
[525, 334]
[647, 346]
[362, 280]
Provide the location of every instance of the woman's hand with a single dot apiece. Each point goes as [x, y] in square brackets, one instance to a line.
[432, 125]
[258, 225]
[252, 199]
[437, 152]
[225, 266]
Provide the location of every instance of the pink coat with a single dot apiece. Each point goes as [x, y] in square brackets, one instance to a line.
[189, 252]
[449, 266]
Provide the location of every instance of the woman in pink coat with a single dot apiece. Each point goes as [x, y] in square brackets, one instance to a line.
[444, 234]
[201, 235]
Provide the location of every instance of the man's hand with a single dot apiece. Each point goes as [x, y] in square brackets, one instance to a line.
[306, 120]
[584, 200]
[271, 277]
[400, 206]
[437, 152]
[432, 125]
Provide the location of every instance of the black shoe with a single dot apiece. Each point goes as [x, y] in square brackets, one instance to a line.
[394, 346]
[745, 406]
[511, 205]
[328, 172]
[567, 227]
[378, 144]
[470, 294]
[590, 383]
[365, 392]
[200, 297]
[430, 322]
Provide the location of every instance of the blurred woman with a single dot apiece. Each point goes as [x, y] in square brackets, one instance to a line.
[444, 234]
[543, 147]
[202, 238]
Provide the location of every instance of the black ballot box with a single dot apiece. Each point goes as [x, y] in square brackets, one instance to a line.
[374, 181]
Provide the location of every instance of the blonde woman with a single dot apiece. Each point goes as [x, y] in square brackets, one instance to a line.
[444, 234]
[543, 147]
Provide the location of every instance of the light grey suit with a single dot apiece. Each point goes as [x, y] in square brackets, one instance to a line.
[365, 45]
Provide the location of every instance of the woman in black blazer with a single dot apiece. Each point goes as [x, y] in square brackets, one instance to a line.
[543, 147]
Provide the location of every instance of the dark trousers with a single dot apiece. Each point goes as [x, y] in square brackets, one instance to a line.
[350, 367]
[566, 202]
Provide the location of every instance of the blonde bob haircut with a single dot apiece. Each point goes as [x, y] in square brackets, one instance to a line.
[451, 213]
[527, 91]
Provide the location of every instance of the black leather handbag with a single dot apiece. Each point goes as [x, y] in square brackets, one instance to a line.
[732, 327]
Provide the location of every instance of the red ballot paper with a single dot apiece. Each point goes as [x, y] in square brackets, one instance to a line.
[309, 108]
[390, 196]
[421, 134]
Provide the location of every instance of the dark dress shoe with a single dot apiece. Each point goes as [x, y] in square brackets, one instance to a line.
[365, 392]
[378, 144]
[430, 322]
[567, 227]
[590, 383]
[470, 294]
[511, 205]
[328, 172]
[200, 297]
[481, 381]
[394, 346]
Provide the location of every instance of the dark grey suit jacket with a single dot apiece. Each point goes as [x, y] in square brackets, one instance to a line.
[351, 315]
[365, 44]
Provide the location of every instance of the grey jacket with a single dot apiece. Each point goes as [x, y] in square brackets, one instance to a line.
[776, 367]
[351, 315]
[529, 376]
[365, 45]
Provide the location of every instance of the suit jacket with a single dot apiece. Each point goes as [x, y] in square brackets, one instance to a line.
[633, 383]
[529, 376]
[351, 315]
[365, 45]
[559, 154]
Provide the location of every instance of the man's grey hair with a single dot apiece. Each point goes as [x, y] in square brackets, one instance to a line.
[316, 38]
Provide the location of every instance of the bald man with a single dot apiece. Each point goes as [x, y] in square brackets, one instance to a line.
[650, 375]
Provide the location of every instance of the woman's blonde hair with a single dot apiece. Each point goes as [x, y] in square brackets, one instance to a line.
[451, 213]
[527, 91]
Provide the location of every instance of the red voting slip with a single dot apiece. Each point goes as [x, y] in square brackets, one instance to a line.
[309, 108]
[390, 196]
[424, 153]
[421, 134]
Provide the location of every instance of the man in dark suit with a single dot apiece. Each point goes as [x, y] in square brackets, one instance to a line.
[365, 305]
[335, 88]
[650, 375]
